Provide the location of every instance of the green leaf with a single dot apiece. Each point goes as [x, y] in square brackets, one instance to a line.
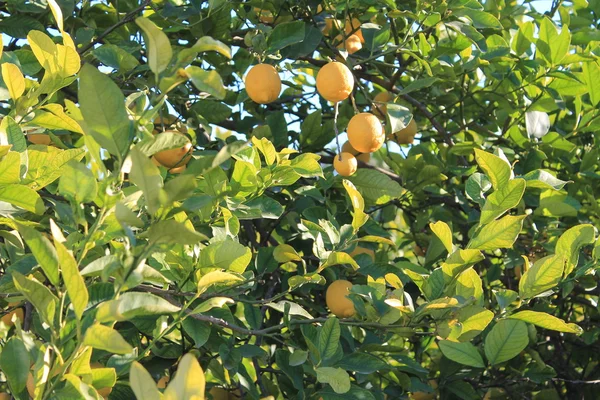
[591, 71]
[134, 304]
[13, 133]
[43, 251]
[104, 338]
[285, 34]
[444, 233]
[376, 187]
[473, 319]
[307, 165]
[19, 25]
[226, 255]
[469, 284]
[522, 40]
[541, 179]
[502, 200]
[46, 164]
[557, 204]
[267, 149]
[481, 19]
[216, 278]
[189, 381]
[458, 262]
[78, 183]
[329, 338]
[10, 168]
[158, 45]
[206, 43]
[419, 84]
[498, 234]
[115, 57]
[145, 175]
[23, 197]
[462, 353]
[362, 363]
[171, 232]
[545, 274]
[546, 321]
[571, 241]
[497, 169]
[74, 282]
[207, 81]
[398, 117]
[505, 341]
[103, 109]
[294, 309]
[551, 46]
[359, 217]
[214, 302]
[37, 294]
[14, 362]
[164, 141]
[336, 377]
[338, 258]
[142, 384]
[311, 137]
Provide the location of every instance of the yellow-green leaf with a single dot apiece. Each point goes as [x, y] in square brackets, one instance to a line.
[157, 44]
[215, 302]
[571, 241]
[444, 233]
[57, 13]
[13, 79]
[189, 381]
[499, 234]
[68, 60]
[497, 169]
[502, 200]
[338, 258]
[358, 204]
[459, 261]
[142, 384]
[44, 50]
[206, 43]
[547, 321]
[76, 288]
[462, 353]
[544, 275]
[505, 341]
[285, 253]
[104, 338]
[216, 278]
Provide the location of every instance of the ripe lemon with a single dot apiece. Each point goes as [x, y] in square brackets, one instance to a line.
[352, 44]
[353, 27]
[263, 83]
[365, 133]
[364, 157]
[422, 396]
[406, 135]
[361, 250]
[383, 97]
[39, 138]
[347, 165]
[175, 157]
[337, 299]
[30, 385]
[7, 319]
[5, 396]
[178, 170]
[162, 382]
[335, 81]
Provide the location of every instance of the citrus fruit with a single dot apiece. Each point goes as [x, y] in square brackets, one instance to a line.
[30, 385]
[337, 299]
[218, 393]
[39, 138]
[263, 83]
[406, 135]
[421, 396]
[383, 97]
[335, 81]
[347, 165]
[167, 120]
[365, 133]
[5, 396]
[7, 319]
[364, 157]
[329, 24]
[361, 250]
[353, 27]
[352, 44]
[178, 170]
[175, 157]
[162, 382]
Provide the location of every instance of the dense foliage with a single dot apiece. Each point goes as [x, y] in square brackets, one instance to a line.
[472, 252]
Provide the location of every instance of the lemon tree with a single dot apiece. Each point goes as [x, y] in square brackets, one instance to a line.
[277, 199]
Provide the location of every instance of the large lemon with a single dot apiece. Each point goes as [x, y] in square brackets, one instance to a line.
[365, 133]
[335, 81]
[175, 157]
[263, 83]
[337, 299]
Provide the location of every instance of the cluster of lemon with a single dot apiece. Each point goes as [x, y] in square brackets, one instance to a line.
[335, 83]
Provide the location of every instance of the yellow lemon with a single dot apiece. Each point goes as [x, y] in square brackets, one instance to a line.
[335, 81]
[337, 299]
[345, 164]
[263, 83]
[365, 133]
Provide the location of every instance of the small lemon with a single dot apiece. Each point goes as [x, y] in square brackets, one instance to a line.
[345, 164]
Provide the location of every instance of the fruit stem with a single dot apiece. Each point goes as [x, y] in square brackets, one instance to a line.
[335, 129]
